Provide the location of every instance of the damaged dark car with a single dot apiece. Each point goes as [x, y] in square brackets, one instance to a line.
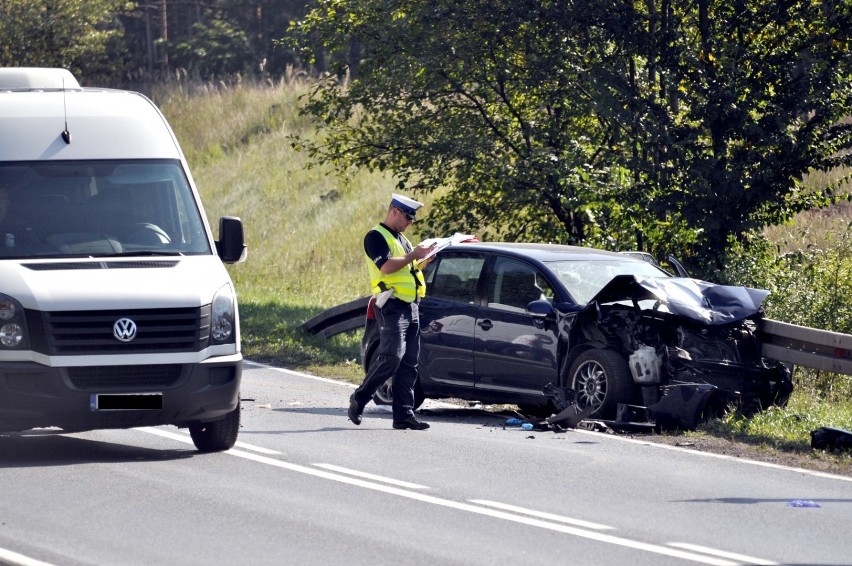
[512, 323]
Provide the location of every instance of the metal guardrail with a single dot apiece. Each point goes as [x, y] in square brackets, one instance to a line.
[807, 347]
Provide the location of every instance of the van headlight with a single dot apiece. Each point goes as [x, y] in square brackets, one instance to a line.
[13, 324]
[223, 324]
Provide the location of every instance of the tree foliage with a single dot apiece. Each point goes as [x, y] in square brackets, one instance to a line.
[634, 124]
[83, 36]
[232, 36]
[740, 100]
[112, 41]
[215, 49]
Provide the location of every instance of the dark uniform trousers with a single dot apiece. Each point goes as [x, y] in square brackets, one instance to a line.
[399, 347]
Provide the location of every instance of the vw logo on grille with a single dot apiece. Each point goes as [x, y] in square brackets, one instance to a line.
[124, 329]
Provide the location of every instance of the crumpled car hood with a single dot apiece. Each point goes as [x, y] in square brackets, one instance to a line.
[707, 303]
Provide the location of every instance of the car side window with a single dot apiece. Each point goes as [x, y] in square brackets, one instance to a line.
[455, 278]
[516, 284]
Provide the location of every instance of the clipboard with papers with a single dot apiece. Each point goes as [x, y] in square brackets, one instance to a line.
[441, 243]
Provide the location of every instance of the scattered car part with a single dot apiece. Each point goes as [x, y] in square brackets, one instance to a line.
[828, 438]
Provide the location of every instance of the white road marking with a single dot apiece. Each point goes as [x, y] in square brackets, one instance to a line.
[298, 373]
[184, 437]
[541, 514]
[15, 559]
[368, 476]
[724, 554]
[575, 531]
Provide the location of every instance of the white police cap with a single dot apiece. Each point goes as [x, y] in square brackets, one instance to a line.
[406, 204]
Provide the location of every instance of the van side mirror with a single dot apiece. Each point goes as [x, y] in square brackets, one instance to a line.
[231, 243]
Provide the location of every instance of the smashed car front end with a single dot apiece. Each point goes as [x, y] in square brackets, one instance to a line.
[676, 332]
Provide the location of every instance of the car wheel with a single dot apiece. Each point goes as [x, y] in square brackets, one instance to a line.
[384, 394]
[217, 435]
[601, 379]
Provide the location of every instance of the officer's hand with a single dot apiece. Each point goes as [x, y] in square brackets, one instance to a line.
[423, 250]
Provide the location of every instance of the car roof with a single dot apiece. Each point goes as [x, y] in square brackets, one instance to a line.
[544, 252]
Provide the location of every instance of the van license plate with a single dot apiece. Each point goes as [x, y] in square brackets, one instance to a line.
[126, 402]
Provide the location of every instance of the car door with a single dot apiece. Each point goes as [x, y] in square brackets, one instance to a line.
[447, 321]
[515, 354]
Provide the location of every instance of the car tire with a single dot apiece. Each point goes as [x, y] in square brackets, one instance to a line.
[217, 435]
[384, 394]
[601, 378]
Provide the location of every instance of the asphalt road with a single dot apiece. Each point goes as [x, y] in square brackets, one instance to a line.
[305, 486]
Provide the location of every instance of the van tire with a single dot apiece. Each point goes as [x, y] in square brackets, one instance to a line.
[217, 435]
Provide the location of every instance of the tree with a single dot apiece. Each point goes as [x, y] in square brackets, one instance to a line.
[733, 104]
[80, 35]
[625, 124]
[215, 49]
[487, 96]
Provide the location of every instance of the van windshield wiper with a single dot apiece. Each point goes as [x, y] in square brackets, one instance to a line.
[147, 253]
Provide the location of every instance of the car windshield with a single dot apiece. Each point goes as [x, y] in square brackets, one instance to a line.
[98, 208]
[585, 278]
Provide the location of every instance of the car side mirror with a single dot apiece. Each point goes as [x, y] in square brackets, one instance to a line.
[540, 308]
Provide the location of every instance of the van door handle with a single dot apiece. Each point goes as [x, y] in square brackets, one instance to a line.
[485, 324]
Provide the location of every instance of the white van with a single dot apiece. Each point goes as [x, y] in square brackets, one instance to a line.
[116, 310]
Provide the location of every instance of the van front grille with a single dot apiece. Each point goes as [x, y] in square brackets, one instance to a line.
[138, 378]
[157, 331]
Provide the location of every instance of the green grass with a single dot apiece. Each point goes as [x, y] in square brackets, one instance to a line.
[304, 227]
[788, 429]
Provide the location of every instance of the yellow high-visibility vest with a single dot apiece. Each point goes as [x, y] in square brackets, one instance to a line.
[408, 282]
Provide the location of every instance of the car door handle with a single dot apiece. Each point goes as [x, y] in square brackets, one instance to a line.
[485, 324]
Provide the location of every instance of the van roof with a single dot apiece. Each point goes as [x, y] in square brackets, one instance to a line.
[102, 123]
[36, 78]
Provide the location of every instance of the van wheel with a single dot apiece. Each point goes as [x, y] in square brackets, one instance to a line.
[217, 435]
[601, 379]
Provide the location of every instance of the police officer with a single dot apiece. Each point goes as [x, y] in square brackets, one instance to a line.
[392, 263]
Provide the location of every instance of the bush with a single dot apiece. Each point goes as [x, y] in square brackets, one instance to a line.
[810, 285]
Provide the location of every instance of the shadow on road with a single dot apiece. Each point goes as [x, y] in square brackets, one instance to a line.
[37, 448]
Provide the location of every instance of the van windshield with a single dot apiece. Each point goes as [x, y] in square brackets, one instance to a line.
[98, 208]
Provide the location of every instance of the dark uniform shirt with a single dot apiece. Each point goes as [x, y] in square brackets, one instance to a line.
[377, 249]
